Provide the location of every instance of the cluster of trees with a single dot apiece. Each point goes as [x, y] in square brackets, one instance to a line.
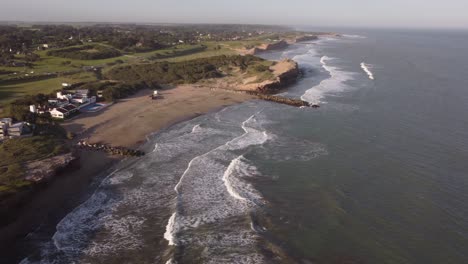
[112, 90]
[122, 90]
[19, 109]
[180, 72]
[15, 39]
[48, 141]
[85, 52]
[131, 37]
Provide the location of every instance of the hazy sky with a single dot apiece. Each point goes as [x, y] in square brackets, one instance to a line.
[374, 13]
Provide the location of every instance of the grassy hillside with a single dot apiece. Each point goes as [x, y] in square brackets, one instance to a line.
[51, 64]
[15, 152]
[187, 71]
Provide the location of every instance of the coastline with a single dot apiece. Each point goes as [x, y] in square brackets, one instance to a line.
[53, 200]
[127, 123]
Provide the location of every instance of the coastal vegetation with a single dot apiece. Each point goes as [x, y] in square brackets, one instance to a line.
[114, 61]
[49, 141]
[38, 58]
[85, 52]
[183, 72]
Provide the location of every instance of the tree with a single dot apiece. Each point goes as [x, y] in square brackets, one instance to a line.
[18, 111]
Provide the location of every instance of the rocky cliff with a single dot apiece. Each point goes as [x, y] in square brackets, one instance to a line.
[285, 73]
[282, 44]
[306, 38]
[43, 170]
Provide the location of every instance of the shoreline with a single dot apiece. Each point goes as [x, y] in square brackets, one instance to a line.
[129, 123]
[55, 199]
[51, 201]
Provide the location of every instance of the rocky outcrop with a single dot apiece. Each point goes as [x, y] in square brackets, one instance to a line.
[272, 98]
[281, 100]
[121, 151]
[285, 73]
[306, 38]
[43, 170]
[282, 44]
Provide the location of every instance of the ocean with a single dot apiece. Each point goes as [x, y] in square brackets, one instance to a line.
[377, 174]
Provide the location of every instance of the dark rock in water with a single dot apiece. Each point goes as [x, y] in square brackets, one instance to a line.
[280, 99]
[111, 150]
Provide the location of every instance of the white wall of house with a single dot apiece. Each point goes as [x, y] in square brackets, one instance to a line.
[57, 114]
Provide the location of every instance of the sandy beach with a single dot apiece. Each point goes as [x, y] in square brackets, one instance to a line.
[128, 122]
[125, 123]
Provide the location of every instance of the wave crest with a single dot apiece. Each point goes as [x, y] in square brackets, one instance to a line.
[366, 68]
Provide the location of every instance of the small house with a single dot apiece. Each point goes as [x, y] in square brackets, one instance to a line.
[10, 129]
[59, 113]
[3, 131]
[70, 108]
[79, 99]
[63, 112]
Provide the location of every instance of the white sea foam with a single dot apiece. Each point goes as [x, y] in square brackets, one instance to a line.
[334, 84]
[114, 219]
[228, 182]
[209, 191]
[169, 234]
[196, 128]
[171, 261]
[354, 36]
[307, 59]
[366, 68]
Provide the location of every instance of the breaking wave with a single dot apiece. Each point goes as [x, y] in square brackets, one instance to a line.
[210, 191]
[354, 36]
[366, 68]
[334, 84]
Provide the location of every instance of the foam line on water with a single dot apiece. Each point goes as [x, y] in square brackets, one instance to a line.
[248, 138]
[56, 238]
[366, 68]
[226, 178]
[336, 82]
[354, 36]
[169, 234]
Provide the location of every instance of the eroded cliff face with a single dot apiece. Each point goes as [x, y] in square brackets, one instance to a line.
[285, 73]
[43, 170]
[282, 44]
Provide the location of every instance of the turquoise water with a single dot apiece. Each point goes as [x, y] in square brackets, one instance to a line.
[378, 174]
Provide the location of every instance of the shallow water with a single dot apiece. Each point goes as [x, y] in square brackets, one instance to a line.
[377, 175]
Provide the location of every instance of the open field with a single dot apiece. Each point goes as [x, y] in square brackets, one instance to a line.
[51, 64]
[11, 91]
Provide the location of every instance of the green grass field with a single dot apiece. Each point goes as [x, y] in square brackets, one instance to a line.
[11, 91]
[50, 64]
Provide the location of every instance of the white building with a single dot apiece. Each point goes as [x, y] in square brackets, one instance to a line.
[58, 113]
[62, 96]
[9, 129]
[79, 99]
[63, 112]
[4, 124]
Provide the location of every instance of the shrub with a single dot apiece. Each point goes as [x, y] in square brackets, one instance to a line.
[85, 52]
[180, 72]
